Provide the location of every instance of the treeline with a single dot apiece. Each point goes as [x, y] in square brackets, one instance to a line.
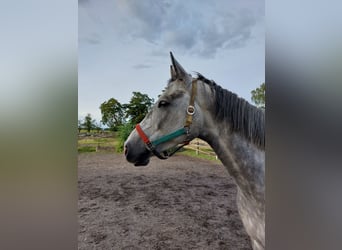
[114, 114]
[258, 96]
[119, 117]
[89, 124]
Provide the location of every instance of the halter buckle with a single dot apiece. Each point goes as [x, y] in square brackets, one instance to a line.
[149, 145]
[190, 110]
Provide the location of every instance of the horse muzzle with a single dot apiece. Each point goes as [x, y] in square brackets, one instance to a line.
[138, 159]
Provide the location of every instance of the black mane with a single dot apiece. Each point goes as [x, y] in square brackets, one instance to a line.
[243, 118]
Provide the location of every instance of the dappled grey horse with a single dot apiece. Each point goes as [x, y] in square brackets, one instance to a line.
[198, 107]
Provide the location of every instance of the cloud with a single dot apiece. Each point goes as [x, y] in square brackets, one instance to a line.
[92, 38]
[80, 2]
[195, 27]
[141, 66]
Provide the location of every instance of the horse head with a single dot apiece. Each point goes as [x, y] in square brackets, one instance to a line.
[173, 120]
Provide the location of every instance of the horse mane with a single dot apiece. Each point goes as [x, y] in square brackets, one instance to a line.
[243, 118]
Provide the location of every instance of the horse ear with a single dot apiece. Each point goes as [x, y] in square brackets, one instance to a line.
[178, 71]
[173, 73]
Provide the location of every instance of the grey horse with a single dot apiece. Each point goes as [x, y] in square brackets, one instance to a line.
[195, 107]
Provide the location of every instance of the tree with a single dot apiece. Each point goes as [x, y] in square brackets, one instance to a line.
[112, 113]
[123, 133]
[98, 127]
[88, 123]
[79, 126]
[138, 107]
[258, 96]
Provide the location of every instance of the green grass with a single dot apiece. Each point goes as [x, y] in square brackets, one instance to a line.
[86, 149]
[89, 144]
[93, 131]
[96, 141]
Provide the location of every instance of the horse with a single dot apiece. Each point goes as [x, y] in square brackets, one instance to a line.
[195, 107]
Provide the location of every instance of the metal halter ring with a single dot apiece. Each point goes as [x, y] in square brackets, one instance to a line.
[190, 110]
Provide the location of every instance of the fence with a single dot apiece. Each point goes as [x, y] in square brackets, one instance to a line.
[201, 147]
[96, 143]
[106, 142]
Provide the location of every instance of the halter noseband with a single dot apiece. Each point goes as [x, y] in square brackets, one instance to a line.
[151, 145]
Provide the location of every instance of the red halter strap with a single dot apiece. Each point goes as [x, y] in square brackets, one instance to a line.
[149, 144]
[142, 134]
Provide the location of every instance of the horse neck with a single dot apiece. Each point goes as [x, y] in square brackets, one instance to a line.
[243, 160]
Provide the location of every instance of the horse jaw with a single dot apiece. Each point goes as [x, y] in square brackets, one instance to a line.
[142, 163]
[142, 160]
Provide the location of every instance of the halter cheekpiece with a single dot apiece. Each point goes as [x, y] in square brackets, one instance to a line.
[151, 145]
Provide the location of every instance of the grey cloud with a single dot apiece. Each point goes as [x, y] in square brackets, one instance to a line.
[145, 18]
[93, 39]
[80, 2]
[141, 66]
[190, 28]
[228, 32]
[194, 27]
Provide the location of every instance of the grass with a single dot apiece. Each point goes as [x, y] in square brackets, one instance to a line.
[89, 144]
[86, 149]
[96, 141]
[192, 153]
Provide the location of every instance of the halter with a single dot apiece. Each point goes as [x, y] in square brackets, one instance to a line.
[151, 145]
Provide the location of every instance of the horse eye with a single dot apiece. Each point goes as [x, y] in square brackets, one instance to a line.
[163, 103]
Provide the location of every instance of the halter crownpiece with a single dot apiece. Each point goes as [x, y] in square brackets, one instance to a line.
[151, 145]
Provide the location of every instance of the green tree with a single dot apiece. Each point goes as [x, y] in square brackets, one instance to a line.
[112, 113]
[123, 133]
[138, 107]
[258, 96]
[98, 127]
[79, 126]
[88, 123]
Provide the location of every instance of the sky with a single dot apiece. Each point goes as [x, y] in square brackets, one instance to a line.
[124, 46]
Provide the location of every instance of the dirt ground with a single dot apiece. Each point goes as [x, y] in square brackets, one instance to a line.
[179, 203]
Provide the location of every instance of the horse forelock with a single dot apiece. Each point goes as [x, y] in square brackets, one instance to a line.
[243, 118]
